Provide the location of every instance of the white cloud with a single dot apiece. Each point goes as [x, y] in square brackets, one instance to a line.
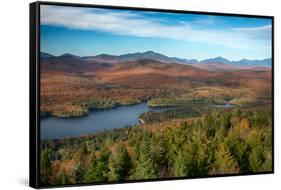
[133, 24]
[260, 28]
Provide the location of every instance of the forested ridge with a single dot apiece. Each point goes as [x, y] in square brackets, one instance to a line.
[68, 91]
[194, 136]
[219, 142]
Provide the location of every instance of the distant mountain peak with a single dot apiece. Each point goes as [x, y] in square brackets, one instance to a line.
[151, 55]
[105, 55]
[149, 52]
[218, 59]
[68, 55]
[246, 62]
[45, 55]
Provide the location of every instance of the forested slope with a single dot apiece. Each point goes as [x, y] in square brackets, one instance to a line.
[236, 141]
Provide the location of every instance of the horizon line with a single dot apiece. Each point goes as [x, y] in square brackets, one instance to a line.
[198, 60]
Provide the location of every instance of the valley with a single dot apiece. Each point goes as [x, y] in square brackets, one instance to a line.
[147, 116]
[72, 86]
[131, 95]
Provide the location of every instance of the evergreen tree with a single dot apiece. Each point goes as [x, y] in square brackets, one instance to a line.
[224, 161]
[267, 164]
[46, 156]
[84, 150]
[119, 165]
[220, 143]
[98, 168]
[64, 179]
[256, 159]
[180, 165]
[79, 173]
[145, 166]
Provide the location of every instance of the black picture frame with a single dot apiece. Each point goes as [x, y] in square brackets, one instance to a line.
[34, 90]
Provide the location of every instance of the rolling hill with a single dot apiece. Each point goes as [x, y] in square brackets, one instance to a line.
[72, 85]
[68, 63]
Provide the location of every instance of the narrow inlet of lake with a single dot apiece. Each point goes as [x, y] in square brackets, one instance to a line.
[96, 121]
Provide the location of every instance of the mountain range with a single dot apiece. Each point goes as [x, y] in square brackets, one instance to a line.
[109, 59]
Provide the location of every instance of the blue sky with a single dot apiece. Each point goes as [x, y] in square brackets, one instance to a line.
[91, 31]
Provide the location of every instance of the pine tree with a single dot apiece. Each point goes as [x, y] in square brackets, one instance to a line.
[119, 165]
[46, 156]
[224, 161]
[267, 164]
[84, 150]
[145, 166]
[79, 173]
[256, 159]
[64, 179]
[98, 168]
[180, 166]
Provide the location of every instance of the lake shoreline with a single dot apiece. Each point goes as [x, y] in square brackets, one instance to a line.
[53, 127]
[44, 115]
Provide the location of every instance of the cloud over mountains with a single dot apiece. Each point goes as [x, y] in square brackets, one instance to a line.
[135, 23]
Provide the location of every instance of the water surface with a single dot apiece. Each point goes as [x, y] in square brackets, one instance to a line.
[55, 127]
[225, 105]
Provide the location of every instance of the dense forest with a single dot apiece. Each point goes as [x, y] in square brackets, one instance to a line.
[212, 121]
[68, 92]
[232, 141]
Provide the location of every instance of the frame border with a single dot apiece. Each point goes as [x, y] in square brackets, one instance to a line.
[34, 90]
[34, 105]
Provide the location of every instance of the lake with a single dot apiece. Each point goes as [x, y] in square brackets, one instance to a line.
[96, 121]
[225, 105]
